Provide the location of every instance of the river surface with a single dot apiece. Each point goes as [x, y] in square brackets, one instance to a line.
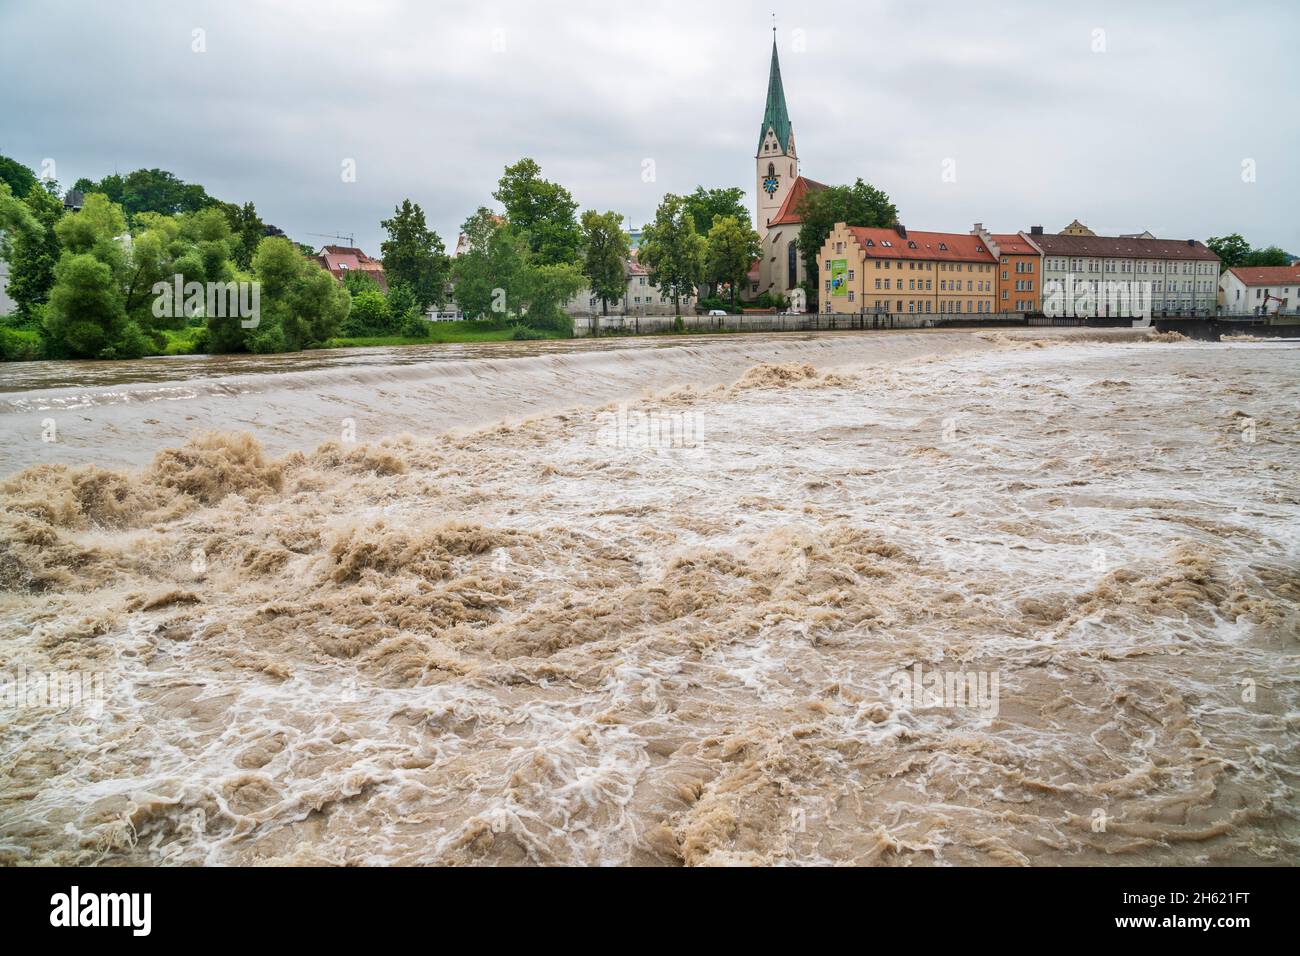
[889, 599]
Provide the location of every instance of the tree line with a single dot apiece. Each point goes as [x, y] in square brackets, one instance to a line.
[519, 266]
[85, 282]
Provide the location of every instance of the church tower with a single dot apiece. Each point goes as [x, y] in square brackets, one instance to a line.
[776, 163]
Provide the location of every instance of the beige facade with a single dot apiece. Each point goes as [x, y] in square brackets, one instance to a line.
[902, 271]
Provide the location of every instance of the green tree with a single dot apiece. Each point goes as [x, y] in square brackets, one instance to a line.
[404, 312]
[733, 245]
[357, 281]
[21, 180]
[606, 249]
[1268, 256]
[498, 276]
[153, 250]
[1232, 250]
[546, 288]
[672, 252]
[541, 211]
[414, 255]
[704, 204]
[301, 305]
[858, 205]
[489, 272]
[156, 190]
[247, 231]
[86, 318]
[32, 249]
[100, 222]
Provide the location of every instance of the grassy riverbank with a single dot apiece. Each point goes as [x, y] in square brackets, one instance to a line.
[23, 344]
[446, 332]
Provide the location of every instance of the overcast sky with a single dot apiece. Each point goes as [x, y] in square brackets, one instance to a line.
[1129, 116]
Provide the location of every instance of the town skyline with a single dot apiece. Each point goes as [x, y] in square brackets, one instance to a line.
[964, 128]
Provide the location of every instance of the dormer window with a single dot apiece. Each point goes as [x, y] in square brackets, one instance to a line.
[911, 245]
[887, 243]
[871, 242]
[943, 246]
[978, 247]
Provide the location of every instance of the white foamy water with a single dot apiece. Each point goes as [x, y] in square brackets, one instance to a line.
[544, 642]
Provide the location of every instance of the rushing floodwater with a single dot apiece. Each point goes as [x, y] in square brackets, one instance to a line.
[700, 628]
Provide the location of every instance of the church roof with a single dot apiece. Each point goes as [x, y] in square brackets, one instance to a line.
[775, 117]
[788, 214]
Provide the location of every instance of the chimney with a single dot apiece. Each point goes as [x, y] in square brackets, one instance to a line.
[900, 229]
[1035, 230]
[977, 229]
[1191, 242]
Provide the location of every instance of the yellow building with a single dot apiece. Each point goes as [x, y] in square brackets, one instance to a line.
[901, 271]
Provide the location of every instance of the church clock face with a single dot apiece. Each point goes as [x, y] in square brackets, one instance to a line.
[770, 185]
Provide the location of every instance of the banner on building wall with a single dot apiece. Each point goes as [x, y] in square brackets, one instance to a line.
[839, 273]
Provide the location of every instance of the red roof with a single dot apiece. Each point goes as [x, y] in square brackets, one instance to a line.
[1267, 275]
[632, 266]
[1013, 244]
[340, 260]
[889, 244]
[788, 214]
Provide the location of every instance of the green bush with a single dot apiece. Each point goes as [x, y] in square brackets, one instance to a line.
[369, 315]
[522, 333]
[19, 345]
[769, 301]
[414, 325]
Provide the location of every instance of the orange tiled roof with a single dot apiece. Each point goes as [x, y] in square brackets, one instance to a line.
[788, 214]
[1267, 275]
[1013, 244]
[940, 246]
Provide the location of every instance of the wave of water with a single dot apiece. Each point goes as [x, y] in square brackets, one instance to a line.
[676, 631]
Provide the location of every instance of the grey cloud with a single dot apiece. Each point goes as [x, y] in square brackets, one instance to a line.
[1149, 134]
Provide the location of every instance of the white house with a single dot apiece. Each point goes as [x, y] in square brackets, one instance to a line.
[1181, 275]
[1260, 290]
[642, 297]
[6, 303]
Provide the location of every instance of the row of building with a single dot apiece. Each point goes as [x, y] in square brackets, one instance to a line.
[895, 270]
[979, 272]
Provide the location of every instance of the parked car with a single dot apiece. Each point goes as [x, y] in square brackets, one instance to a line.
[717, 312]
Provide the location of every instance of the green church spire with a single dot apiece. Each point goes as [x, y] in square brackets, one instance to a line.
[775, 117]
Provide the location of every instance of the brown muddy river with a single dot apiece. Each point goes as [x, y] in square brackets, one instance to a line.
[891, 599]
